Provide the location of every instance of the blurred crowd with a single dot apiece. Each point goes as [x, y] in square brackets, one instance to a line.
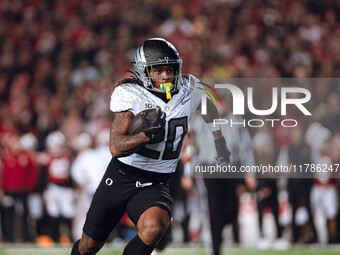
[59, 60]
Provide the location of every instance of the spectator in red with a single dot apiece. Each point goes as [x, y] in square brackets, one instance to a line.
[18, 178]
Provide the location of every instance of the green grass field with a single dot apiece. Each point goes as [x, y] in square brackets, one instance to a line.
[177, 251]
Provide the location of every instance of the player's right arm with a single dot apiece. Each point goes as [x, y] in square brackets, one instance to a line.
[123, 105]
[121, 143]
[223, 154]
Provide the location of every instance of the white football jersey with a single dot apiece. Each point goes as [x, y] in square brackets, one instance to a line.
[162, 156]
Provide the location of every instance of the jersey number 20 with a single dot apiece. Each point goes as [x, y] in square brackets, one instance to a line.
[169, 152]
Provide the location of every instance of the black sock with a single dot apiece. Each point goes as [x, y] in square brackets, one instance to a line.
[75, 250]
[137, 247]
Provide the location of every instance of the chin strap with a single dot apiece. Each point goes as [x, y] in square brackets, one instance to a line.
[167, 87]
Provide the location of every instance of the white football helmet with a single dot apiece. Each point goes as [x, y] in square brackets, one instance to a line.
[55, 142]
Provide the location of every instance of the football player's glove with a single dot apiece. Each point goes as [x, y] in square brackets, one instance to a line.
[153, 127]
[223, 154]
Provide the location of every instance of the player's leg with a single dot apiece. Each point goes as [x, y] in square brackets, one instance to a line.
[331, 207]
[107, 208]
[150, 210]
[161, 245]
[86, 246]
[51, 197]
[90, 245]
[260, 208]
[216, 223]
[67, 211]
[151, 226]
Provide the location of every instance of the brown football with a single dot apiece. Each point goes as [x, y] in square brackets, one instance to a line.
[136, 124]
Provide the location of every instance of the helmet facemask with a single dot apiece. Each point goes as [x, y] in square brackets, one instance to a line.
[167, 83]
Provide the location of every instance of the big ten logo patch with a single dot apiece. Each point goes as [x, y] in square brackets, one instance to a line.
[148, 106]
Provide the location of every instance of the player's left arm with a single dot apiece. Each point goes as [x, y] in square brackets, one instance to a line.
[223, 154]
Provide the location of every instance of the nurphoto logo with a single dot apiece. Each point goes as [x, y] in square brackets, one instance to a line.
[240, 102]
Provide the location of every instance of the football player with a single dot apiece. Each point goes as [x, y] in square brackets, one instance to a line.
[136, 178]
[59, 193]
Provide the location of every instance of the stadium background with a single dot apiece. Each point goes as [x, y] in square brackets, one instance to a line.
[59, 60]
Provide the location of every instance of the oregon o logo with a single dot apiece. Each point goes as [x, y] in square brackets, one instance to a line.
[109, 181]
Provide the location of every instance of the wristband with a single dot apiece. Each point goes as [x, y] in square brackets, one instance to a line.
[214, 127]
